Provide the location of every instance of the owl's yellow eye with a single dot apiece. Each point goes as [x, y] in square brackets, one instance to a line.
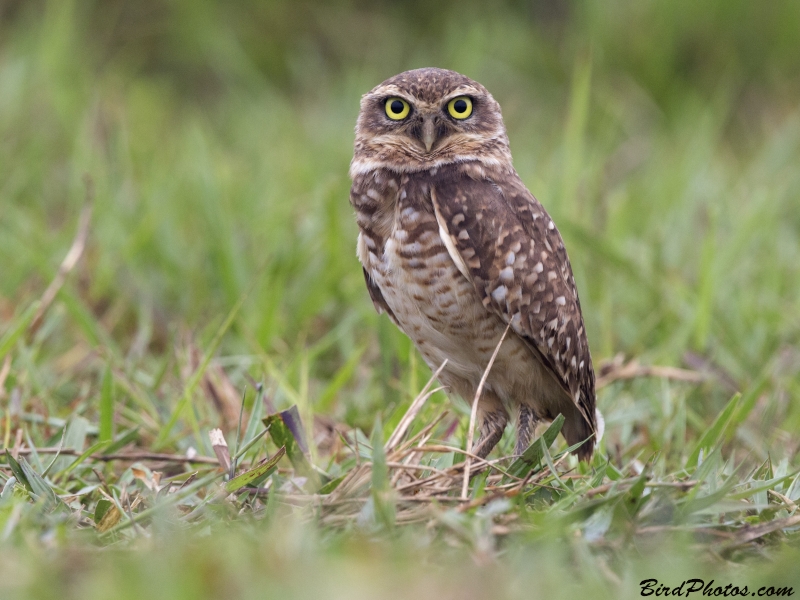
[397, 109]
[460, 107]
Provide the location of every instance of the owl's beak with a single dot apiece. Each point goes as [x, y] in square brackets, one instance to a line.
[428, 133]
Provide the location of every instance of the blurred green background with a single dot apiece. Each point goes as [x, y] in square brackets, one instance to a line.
[663, 137]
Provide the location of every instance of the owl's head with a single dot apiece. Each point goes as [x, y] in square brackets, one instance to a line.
[426, 118]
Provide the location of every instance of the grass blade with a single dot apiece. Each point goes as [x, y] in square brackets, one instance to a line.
[74, 439]
[715, 433]
[168, 501]
[98, 447]
[534, 454]
[197, 376]
[16, 329]
[125, 438]
[262, 470]
[343, 375]
[40, 487]
[382, 496]
[284, 435]
[16, 469]
[256, 414]
[107, 406]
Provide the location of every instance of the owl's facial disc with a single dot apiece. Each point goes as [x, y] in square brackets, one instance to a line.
[425, 118]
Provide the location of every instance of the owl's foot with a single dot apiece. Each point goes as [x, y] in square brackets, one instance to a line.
[492, 426]
[526, 424]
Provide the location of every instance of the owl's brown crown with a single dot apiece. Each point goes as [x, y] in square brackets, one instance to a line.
[430, 84]
[428, 136]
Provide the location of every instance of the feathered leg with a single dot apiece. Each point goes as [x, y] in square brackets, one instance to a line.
[526, 424]
[493, 419]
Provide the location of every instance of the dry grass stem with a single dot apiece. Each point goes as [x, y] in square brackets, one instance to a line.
[4, 374]
[412, 411]
[70, 260]
[129, 456]
[474, 412]
[633, 370]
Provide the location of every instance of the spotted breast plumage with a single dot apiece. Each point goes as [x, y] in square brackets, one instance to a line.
[455, 250]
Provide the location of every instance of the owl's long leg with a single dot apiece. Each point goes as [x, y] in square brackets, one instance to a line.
[526, 424]
[493, 418]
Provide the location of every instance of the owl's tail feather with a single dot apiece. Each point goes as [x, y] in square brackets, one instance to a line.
[577, 430]
[601, 426]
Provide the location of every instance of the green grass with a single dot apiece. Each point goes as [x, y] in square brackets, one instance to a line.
[664, 139]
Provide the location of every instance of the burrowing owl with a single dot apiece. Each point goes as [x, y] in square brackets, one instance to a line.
[454, 248]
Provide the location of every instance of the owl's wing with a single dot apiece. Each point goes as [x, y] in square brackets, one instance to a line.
[377, 297]
[515, 257]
